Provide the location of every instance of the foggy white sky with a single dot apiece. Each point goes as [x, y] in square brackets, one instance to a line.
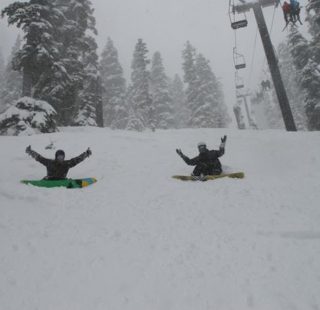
[165, 25]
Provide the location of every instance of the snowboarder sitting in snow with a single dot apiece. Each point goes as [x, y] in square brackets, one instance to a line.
[57, 169]
[207, 162]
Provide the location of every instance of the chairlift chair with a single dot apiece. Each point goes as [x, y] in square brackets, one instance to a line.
[239, 24]
[238, 81]
[236, 24]
[238, 60]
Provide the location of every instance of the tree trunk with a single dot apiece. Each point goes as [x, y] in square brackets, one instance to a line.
[99, 107]
[26, 83]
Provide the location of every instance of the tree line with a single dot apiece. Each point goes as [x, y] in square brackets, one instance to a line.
[57, 61]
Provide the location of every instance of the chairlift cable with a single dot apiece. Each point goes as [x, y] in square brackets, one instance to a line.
[271, 27]
[253, 57]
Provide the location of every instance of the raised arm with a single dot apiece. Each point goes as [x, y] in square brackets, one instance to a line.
[187, 160]
[76, 160]
[37, 156]
[222, 146]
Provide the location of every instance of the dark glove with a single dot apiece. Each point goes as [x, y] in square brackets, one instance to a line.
[88, 152]
[224, 139]
[28, 150]
[179, 152]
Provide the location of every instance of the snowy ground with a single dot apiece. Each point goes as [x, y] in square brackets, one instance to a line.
[139, 240]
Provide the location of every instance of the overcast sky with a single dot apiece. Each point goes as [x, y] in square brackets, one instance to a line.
[165, 25]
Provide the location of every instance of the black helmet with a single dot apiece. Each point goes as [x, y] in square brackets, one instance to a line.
[60, 153]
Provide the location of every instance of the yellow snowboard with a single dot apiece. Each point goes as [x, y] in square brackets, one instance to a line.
[235, 175]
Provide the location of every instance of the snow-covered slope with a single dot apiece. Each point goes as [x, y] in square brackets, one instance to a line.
[139, 240]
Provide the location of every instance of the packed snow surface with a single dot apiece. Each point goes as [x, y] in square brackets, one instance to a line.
[140, 240]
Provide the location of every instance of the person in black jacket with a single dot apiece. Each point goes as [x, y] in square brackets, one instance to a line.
[57, 169]
[207, 162]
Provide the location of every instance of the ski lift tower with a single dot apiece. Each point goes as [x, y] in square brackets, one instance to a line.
[257, 6]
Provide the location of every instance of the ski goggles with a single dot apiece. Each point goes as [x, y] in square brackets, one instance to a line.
[60, 157]
[202, 148]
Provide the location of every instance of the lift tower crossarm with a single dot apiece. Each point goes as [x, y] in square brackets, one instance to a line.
[247, 6]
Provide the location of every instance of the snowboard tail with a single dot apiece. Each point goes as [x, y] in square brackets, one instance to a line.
[234, 175]
[67, 183]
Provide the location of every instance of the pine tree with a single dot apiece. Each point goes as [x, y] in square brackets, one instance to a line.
[56, 54]
[181, 112]
[299, 49]
[207, 107]
[290, 76]
[161, 99]
[12, 89]
[222, 117]
[308, 76]
[311, 72]
[90, 97]
[139, 94]
[38, 58]
[2, 80]
[114, 88]
[313, 18]
[311, 82]
[190, 77]
[75, 40]
[204, 103]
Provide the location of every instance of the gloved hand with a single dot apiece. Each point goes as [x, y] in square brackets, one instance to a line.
[88, 152]
[179, 152]
[223, 142]
[28, 150]
[224, 139]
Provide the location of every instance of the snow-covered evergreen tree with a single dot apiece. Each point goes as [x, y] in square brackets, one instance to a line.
[313, 18]
[90, 111]
[161, 99]
[55, 56]
[180, 111]
[189, 68]
[204, 93]
[311, 82]
[139, 97]
[308, 75]
[207, 107]
[114, 88]
[12, 89]
[2, 80]
[38, 59]
[290, 76]
[28, 116]
[311, 72]
[222, 117]
[299, 49]
[205, 103]
[77, 32]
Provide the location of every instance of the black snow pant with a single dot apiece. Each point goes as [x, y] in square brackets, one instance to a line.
[203, 169]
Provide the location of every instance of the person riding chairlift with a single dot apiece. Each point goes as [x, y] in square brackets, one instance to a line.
[295, 11]
[287, 12]
[291, 12]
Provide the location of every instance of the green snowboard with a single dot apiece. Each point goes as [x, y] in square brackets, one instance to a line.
[67, 183]
[235, 175]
